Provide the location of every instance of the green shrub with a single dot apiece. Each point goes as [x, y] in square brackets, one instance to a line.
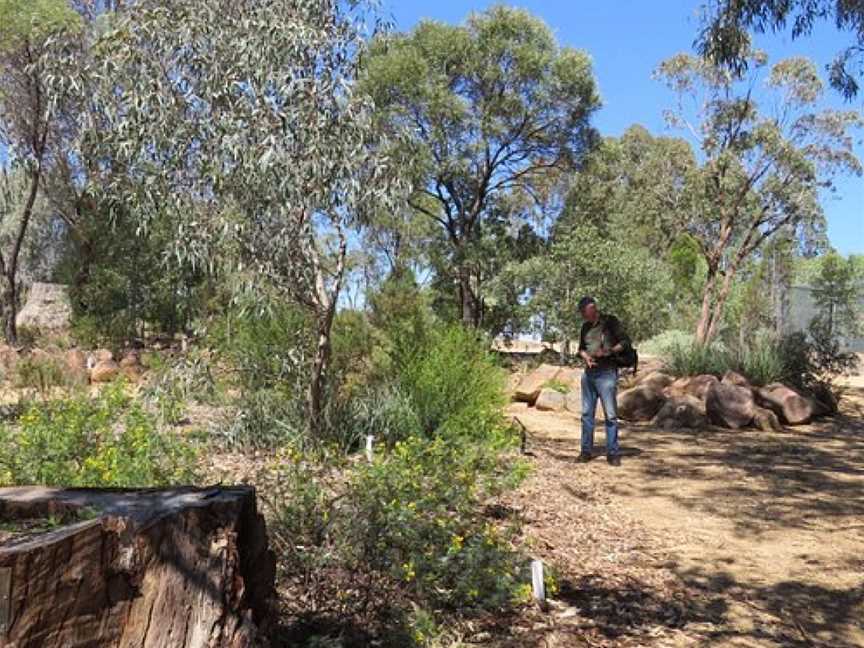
[695, 359]
[415, 517]
[407, 527]
[813, 361]
[106, 441]
[663, 343]
[764, 360]
[386, 413]
[41, 373]
[268, 346]
[267, 349]
[265, 419]
[172, 383]
[451, 379]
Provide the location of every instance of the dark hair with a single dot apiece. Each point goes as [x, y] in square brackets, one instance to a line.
[585, 302]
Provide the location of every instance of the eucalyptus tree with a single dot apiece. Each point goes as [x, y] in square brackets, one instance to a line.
[239, 123]
[839, 292]
[763, 167]
[495, 114]
[725, 40]
[28, 31]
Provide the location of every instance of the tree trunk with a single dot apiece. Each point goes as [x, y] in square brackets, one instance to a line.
[325, 312]
[318, 380]
[181, 568]
[471, 307]
[704, 324]
[10, 311]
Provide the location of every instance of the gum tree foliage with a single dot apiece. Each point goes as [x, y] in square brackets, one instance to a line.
[724, 38]
[839, 291]
[239, 122]
[42, 246]
[28, 31]
[581, 259]
[495, 113]
[763, 169]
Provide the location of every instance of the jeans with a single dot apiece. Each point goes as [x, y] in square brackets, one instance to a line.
[602, 383]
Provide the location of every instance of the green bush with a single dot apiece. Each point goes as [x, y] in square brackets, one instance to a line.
[405, 532]
[106, 441]
[414, 516]
[267, 349]
[265, 419]
[451, 379]
[695, 359]
[268, 345]
[173, 383]
[663, 343]
[764, 360]
[41, 373]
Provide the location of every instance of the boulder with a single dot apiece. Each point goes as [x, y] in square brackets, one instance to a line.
[104, 371]
[47, 310]
[788, 404]
[532, 384]
[76, 360]
[735, 378]
[570, 376]
[692, 386]
[102, 355]
[657, 380]
[681, 412]
[513, 380]
[639, 403]
[550, 400]
[131, 359]
[729, 405]
[766, 420]
[133, 373]
[180, 568]
[573, 400]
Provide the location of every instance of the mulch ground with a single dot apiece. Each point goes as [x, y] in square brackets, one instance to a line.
[614, 590]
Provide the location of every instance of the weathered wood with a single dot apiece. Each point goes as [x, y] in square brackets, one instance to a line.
[184, 568]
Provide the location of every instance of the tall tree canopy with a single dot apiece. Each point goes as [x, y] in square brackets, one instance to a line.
[27, 119]
[725, 39]
[763, 169]
[495, 112]
[248, 136]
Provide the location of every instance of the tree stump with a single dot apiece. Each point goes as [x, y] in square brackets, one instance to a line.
[178, 568]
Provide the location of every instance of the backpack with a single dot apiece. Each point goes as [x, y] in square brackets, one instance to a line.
[628, 357]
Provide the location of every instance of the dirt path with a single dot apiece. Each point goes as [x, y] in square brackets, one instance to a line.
[764, 532]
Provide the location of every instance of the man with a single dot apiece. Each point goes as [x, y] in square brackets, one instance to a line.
[600, 339]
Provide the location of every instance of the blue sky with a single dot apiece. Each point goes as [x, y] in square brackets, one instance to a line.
[627, 39]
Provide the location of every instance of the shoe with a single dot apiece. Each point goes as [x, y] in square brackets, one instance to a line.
[613, 460]
[584, 457]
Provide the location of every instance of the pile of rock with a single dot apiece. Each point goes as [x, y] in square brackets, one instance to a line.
[81, 366]
[731, 402]
[693, 402]
[550, 388]
[100, 366]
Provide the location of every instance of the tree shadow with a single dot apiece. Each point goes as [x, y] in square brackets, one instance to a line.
[761, 481]
[789, 613]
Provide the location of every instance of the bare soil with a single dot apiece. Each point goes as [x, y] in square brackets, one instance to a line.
[702, 538]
